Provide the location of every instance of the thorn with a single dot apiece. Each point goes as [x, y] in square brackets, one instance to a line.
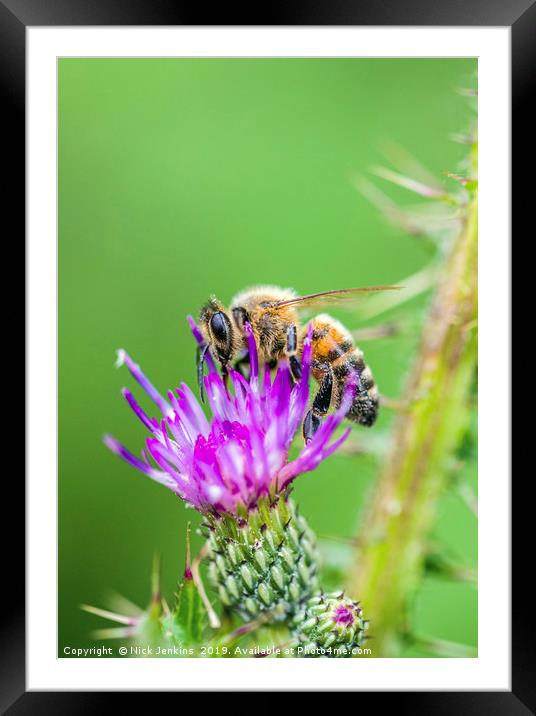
[457, 177]
[399, 406]
[372, 333]
[406, 163]
[467, 92]
[352, 447]
[406, 182]
[120, 604]
[112, 616]
[414, 285]
[187, 569]
[165, 608]
[462, 138]
[113, 633]
[467, 495]
[387, 207]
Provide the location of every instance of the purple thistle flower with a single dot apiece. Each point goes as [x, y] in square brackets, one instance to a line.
[241, 453]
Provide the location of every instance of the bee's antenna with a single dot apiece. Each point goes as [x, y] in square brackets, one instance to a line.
[200, 361]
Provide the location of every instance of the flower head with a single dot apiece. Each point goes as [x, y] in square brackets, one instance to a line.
[230, 461]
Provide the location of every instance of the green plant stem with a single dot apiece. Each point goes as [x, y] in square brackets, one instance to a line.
[388, 563]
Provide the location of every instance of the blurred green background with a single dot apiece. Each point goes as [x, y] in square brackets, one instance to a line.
[183, 177]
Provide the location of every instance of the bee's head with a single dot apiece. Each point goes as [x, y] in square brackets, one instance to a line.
[218, 330]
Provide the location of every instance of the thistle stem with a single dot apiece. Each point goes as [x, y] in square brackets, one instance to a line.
[196, 576]
[392, 542]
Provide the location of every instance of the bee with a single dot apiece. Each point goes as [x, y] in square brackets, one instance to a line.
[274, 316]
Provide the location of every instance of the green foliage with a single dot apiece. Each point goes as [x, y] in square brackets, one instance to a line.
[187, 622]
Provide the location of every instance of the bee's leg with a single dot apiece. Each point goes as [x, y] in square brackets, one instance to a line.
[244, 360]
[200, 364]
[225, 376]
[240, 363]
[321, 403]
[292, 348]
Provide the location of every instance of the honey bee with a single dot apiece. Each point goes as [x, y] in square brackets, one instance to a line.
[273, 314]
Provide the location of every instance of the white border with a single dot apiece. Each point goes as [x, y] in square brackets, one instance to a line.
[491, 670]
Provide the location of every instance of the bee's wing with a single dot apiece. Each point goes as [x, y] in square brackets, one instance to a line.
[344, 297]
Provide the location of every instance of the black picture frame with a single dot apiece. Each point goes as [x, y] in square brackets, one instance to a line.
[15, 17]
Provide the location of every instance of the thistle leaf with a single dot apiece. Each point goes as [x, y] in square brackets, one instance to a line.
[188, 619]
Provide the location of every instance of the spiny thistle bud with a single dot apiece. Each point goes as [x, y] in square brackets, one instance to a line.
[329, 625]
[264, 561]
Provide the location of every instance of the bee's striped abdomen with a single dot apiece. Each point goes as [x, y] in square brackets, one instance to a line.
[333, 346]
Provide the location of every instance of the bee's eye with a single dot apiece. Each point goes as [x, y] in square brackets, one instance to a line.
[218, 325]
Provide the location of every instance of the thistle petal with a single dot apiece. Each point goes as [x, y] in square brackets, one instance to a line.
[138, 375]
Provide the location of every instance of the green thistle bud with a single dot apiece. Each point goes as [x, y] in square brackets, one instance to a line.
[263, 561]
[329, 625]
